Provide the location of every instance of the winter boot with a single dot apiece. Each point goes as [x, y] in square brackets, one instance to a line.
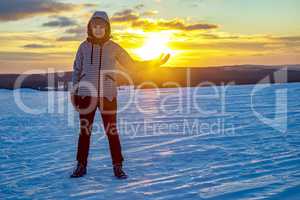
[79, 171]
[118, 171]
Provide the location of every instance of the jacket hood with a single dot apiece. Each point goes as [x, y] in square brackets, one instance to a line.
[102, 15]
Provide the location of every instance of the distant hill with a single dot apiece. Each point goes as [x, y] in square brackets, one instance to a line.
[238, 74]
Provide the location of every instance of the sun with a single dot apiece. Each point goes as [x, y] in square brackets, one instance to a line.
[155, 45]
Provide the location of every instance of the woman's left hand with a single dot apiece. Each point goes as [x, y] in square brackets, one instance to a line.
[162, 59]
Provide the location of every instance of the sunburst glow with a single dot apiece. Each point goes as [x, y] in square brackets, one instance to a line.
[156, 44]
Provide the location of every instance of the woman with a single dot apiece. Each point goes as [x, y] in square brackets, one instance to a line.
[94, 87]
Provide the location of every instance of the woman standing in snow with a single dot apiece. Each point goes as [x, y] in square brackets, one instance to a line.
[94, 87]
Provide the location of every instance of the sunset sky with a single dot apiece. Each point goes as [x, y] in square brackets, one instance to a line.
[42, 34]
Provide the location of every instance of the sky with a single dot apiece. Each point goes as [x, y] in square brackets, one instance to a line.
[39, 35]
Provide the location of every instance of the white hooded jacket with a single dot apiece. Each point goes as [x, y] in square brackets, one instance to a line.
[95, 66]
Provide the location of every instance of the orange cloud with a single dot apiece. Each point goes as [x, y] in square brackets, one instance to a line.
[173, 24]
[134, 19]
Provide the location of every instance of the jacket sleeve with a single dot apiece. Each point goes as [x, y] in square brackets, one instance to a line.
[77, 67]
[124, 58]
[130, 66]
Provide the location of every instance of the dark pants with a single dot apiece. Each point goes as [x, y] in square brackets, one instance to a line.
[88, 106]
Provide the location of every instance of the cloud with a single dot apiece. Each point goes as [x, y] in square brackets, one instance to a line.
[38, 46]
[73, 34]
[125, 16]
[269, 40]
[12, 10]
[68, 38]
[251, 44]
[213, 36]
[289, 38]
[135, 20]
[89, 5]
[22, 36]
[173, 24]
[23, 56]
[60, 21]
[76, 30]
[139, 6]
[198, 26]
[150, 13]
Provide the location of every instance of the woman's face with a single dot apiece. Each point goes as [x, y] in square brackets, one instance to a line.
[98, 28]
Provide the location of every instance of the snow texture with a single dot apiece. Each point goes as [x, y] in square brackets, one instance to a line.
[255, 161]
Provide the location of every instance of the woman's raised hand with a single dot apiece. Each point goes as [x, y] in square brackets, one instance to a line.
[163, 58]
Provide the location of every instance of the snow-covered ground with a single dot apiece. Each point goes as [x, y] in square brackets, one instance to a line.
[231, 153]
